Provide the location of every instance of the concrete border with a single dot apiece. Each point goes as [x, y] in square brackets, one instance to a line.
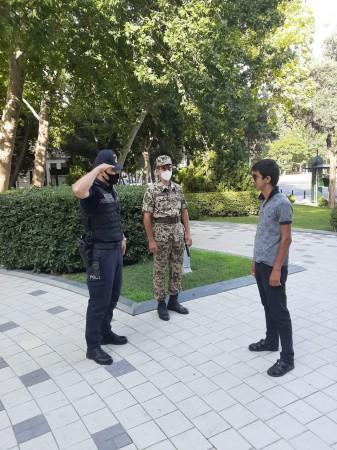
[135, 308]
[307, 230]
[253, 227]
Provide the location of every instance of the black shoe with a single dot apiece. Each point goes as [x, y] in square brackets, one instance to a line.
[100, 356]
[174, 305]
[162, 311]
[114, 339]
[262, 346]
[280, 368]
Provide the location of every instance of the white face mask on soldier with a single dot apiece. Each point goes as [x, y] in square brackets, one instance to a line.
[166, 175]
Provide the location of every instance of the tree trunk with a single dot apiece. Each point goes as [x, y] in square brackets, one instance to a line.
[147, 178]
[10, 116]
[332, 177]
[41, 144]
[133, 133]
[147, 173]
[21, 153]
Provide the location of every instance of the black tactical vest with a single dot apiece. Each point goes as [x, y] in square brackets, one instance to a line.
[102, 222]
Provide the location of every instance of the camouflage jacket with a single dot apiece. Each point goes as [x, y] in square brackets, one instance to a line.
[164, 201]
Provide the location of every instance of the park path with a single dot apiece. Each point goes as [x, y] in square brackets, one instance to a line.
[186, 384]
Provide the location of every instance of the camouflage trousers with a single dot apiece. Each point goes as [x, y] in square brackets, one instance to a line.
[170, 240]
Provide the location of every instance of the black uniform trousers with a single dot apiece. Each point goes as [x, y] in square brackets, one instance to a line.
[104, 279]
[274, 301]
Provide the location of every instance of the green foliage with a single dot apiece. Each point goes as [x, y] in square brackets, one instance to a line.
[292, 198]
[199, 175]
[193, 211]
[201, 91]
[290, 90]
[290, 84]
[192, 182]
[330, 47]
[294, 148]
[323, 202]
[215, 171]
[131, 198]
[333, 218]
[225, 203]
[75, 173]
[232, 173]
[39, 228]
[175, 55]
[324, 110]
[325, 98]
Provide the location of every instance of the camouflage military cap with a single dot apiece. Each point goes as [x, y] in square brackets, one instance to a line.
[162, 160]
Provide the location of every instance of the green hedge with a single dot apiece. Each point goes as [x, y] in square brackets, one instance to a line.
[225, 203]
[193, 211]
[39, 228]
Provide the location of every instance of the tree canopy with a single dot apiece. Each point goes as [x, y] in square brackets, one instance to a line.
[181, 77]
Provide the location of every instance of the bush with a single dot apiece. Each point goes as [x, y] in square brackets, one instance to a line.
[39, 228]
[292, 198]
[323, 202]
[225, 203]
[75, 173]
[333, 218]
[193, 179]
[194, 211]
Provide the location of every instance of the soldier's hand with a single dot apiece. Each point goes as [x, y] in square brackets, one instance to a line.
[188, 240]
[123, 246]
[153, 247]
[252, 270]
[105, 170]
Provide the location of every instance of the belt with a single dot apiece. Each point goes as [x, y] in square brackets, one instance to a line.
[106, 245]
[168, 220]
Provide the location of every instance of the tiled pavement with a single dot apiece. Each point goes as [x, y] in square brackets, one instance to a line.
[188, 384]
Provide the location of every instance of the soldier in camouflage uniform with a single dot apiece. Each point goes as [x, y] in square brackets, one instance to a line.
[167, 227]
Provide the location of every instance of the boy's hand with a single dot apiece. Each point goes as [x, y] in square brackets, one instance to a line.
[275, 278]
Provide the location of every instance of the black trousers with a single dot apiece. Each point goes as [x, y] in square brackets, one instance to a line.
[104, 279]
[274, 301]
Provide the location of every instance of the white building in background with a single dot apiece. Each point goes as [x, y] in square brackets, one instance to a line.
[23, 181]
[56, 168]
[56, 171]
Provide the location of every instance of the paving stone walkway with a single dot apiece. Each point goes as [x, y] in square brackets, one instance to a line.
[188, 384]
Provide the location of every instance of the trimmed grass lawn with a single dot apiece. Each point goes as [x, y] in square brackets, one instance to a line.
[208, 267]
[304, 217]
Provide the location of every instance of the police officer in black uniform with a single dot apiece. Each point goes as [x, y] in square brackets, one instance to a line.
[102, 248]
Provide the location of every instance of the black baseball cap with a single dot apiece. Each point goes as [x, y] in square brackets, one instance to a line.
[108, 156]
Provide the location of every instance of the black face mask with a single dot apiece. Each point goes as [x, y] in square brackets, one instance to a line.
[113, 179]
